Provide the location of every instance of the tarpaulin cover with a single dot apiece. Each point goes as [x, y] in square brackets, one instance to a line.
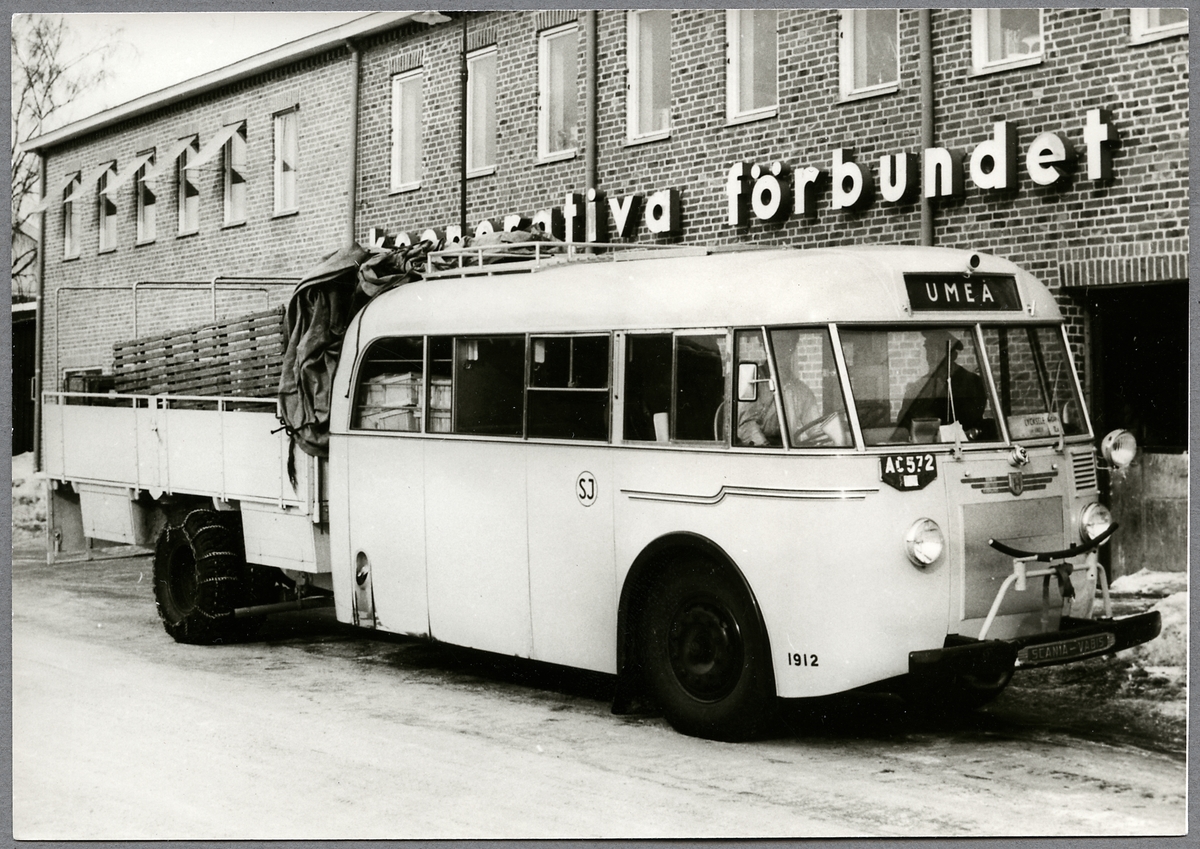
[320, 309]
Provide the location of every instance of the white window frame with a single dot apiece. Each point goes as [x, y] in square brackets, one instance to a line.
[1142, 32]
[106, 212]
[72, 219]
[147, 229]
[284, 183]
[185, 178]
[234, 167]
[847, 58]
[734, 111]
[547, 151]
[399, 125]
[633, 131]
[481, 114]
[979, 45]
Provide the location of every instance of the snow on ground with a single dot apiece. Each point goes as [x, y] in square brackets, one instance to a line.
[28, 502]
[1146, 582]
[1170, 648]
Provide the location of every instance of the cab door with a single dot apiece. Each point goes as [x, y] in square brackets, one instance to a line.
[384, 464]
[475, 512]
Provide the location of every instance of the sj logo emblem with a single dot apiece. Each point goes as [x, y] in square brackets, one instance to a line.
[1016, 483]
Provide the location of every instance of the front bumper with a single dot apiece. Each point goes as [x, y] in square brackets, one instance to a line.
[964, 659]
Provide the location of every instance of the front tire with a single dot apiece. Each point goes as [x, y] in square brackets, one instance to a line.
[704, 654]
[200, 576]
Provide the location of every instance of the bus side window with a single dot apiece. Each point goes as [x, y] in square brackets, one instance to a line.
[441, 370]
[647, 386]
[758, 417]
[568, 393]
[686, 402]
[489, 385]
[390, 385]
[699, 387]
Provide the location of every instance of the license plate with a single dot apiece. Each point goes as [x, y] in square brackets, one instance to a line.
[907, 471]
[1065, 650]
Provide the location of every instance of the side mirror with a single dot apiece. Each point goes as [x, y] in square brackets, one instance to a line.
[747, 382]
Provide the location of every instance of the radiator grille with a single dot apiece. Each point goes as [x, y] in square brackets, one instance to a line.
[1083, 465]
[1031, 525]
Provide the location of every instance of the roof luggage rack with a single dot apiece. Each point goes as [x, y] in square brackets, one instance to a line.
[536, 254]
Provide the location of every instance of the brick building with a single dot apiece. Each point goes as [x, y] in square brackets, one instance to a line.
[1057, 138]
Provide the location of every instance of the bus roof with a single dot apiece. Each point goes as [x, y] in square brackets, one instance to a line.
[735, 288]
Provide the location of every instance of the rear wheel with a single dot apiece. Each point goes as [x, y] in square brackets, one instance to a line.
[200, 576]
[704, 655]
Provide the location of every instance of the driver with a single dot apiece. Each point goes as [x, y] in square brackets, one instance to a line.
[927, 398]
[758, 421]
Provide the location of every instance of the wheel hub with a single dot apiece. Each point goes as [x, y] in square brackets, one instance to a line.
[705, 649]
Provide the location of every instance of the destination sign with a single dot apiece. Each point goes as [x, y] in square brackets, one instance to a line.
[959, 293]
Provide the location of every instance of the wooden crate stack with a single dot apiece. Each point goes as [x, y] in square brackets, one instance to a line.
[241, 357]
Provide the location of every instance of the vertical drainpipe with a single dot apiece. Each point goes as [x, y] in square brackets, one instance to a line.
[591, 101]
[462, 193]
[352, 166]
[39, 330]
[926, 63]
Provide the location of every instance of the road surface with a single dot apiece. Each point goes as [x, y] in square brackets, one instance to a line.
[319, 731]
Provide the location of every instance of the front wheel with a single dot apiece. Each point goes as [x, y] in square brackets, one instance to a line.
[704, 655]
[200, 576]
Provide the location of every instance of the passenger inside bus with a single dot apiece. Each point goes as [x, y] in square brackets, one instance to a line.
[927, 404]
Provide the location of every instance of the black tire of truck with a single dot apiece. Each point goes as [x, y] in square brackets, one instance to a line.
[704, 654]
[200, 577]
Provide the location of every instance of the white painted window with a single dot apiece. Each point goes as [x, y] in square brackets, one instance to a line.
[1005, 38]
[648, 105]
[72, 219]
[752, 64]
[1153, 24]
[287, 154]
[407, 130]
[146, 224]
[558, 89]
[189, 190]
[869, 51]
[235, 177]
[106, 211]
[481, 111]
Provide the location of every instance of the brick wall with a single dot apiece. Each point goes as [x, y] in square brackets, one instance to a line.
[92, 318]
[1134, 226]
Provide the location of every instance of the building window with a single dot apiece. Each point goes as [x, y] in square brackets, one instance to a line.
[1153, 24]
[869, 51]
[189, 191]
[1005, 38]
[145, 203]
[287, 148]
[235, 177]
[72, 218]
[558, 85]
[648, 108]
[406, 131]
[752, 65]
[106, 211]
[481, 112]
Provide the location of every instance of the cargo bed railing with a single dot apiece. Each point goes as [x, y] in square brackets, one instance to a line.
[225, 447]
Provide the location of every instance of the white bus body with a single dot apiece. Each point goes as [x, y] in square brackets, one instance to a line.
[496, 478]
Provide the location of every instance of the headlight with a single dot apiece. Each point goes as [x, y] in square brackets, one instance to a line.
[1094, 520]
[1119, 448]
[924, 542]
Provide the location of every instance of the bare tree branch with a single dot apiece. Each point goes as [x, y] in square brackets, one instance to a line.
[49, 72]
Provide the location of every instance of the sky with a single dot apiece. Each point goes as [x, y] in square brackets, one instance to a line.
[158, 49]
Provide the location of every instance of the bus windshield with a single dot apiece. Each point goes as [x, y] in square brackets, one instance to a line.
[928, 385]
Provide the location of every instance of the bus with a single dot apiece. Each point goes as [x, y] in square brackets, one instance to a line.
[727, 477]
